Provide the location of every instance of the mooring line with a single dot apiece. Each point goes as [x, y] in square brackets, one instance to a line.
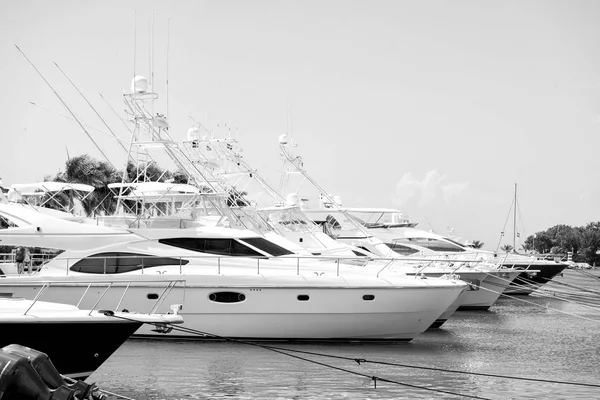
[97, 388]
[544, 307]
[361, 360]
[575, 287]
[283, 351]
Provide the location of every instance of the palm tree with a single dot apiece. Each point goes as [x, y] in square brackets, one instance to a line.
[236, 198]
[89, 171]
[477, 244]
[506, 248]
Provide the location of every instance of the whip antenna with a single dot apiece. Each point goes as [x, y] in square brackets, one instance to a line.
[65, 104]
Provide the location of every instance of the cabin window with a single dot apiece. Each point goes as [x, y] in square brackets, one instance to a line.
[267, 246]
[368, 297]
[436, 244]
[152, 296]
[303, 297]
[120, 262]
[400, 249]
[227, 297]
[224, 247]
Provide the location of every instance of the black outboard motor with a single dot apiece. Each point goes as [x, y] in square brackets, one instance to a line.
[47, 372]
[28, 374]
[19, 381]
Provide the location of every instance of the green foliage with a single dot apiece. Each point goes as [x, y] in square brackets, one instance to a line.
[146, 172]
[583, 241]
[507, 248]
[99, 174]
[477, 244]
[236, 198]
[89, 171]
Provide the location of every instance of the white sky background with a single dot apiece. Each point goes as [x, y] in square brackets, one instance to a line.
[434, 107]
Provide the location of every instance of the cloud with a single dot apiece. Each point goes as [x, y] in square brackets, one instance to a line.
[432, 189]
[452, 190]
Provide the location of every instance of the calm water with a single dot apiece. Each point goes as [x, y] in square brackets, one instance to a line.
[534, 337]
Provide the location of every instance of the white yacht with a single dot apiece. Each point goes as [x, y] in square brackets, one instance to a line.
[338, 223]
[486, 281]
[238, 284]
[410, 241]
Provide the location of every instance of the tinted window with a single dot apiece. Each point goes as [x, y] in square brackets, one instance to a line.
[436, 245]
[227, 297]
[218, 246]
[222, 247]
[267, 246]
[118, 263]
[404, 250]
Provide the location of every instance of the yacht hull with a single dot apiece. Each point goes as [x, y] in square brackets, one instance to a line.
[270, 312]
[526, 282]
[76, 349]
[490, 289]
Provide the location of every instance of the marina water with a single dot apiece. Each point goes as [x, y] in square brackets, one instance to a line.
[534, 336]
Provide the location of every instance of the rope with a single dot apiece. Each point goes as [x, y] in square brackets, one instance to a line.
[524, 237]
[283, 351]
[67, 378]
[505, 222]
[363, 360]
[374, 378]
[541, 306]
[588, 274]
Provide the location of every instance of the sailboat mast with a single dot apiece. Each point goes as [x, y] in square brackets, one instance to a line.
[515, 221]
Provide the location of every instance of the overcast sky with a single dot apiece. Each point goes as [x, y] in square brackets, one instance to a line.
[434, 107]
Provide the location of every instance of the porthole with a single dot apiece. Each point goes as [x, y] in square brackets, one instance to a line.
[303, 297]
[152, 296]
[368, 297]
[227, 297]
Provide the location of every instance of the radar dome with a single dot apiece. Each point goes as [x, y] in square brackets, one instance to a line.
[193, 133]
[291, 199]
[283, 139]
[139, 85]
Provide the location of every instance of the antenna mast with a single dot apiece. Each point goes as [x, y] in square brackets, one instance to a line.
[515, 221]
[91, 106]
[167, 82]
[134, 37]
[66, 106]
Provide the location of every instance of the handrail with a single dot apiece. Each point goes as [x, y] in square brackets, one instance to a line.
[37, 296]
[45, 285]
[295, 262]
[101, 297]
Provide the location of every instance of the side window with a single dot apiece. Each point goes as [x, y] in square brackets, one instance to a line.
[218, 246]
[404, 250]
[118, 263]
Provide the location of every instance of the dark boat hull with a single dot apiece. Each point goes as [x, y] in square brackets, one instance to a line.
[75, 349]
[526, 282]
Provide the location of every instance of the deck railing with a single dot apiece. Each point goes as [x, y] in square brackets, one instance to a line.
[110, 265]
[46, 285]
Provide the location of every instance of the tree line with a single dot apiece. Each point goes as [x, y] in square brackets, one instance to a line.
[582, 241]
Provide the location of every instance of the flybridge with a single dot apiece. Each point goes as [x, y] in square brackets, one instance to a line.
[49, 197]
